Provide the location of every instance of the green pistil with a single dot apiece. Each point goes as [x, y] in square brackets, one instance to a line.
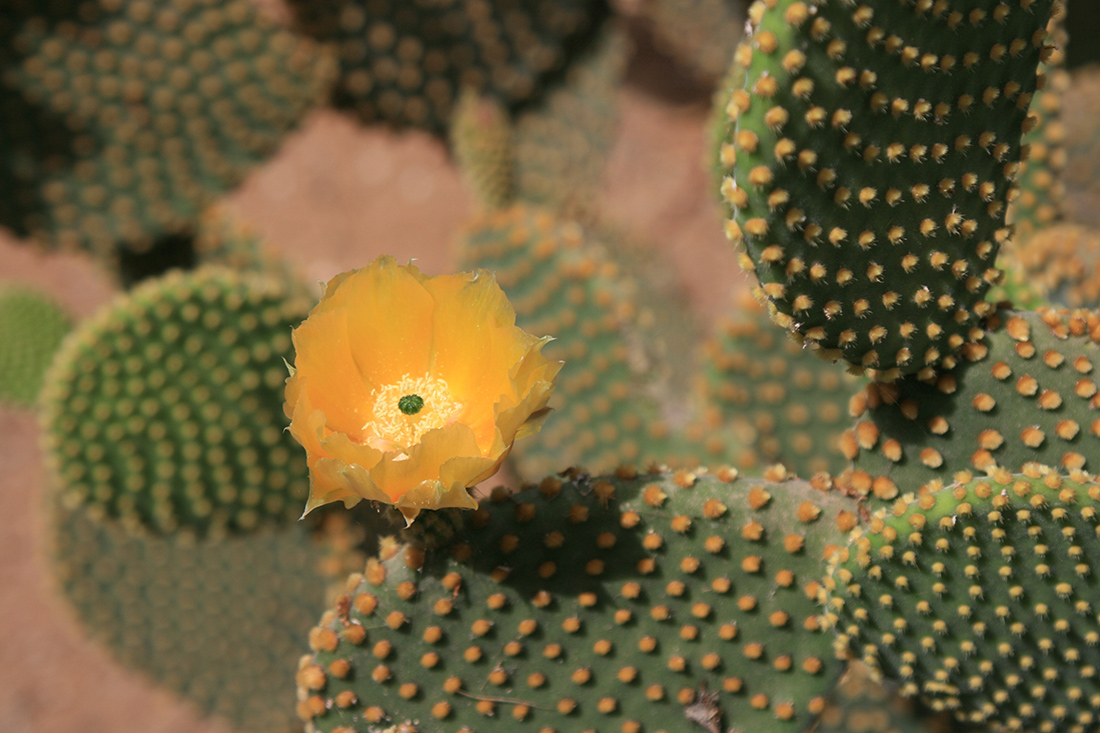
[410, 404]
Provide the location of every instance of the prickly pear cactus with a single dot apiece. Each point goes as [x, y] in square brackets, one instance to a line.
[981, 598]
[31, 329]
[124, 118]
[1024, 394]
[406, 63]
[553, 153]
[637, 603]
[562, 286]
[481, 141]
[171, 607]
[562, 143]
[164, 412]
[874, 146]
[793, 406]
[1039, 201]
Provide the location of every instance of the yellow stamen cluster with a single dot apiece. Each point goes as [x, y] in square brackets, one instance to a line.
[392, 425]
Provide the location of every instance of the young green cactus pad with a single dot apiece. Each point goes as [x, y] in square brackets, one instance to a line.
[562, 143]
[1024, 394]
[123, 118]
[637, 603]
[174, 608]
[481, 140]
[165, 410]
[875, 144]
[563, 287]
[794, 405]
[31, 329]
[982, 599]
[405, 62]
[554, 153]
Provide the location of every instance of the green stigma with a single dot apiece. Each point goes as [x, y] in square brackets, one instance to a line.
[410, 404]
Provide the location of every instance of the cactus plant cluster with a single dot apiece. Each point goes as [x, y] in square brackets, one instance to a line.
[165, 412]
[869, 203]
[406, 63]
[632, 603]
[933, 572]
[124, 118]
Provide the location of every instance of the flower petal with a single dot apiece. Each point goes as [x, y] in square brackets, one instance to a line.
[326, 370]
[389, 319]
[398, 474]
[475, 347]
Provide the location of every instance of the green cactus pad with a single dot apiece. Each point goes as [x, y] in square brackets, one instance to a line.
[481, 139]
[124, 118]
[1041, 192]
[600, 604]
[562, 143]
[981, 598]
[174, 609]
[700, 34]
[165, 411]
[562, 286]
[405, 61]
[1025, 394]
[31, 329]
[794, 405]
[875, 145]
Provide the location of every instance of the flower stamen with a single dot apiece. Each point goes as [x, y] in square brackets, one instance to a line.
[408, 408]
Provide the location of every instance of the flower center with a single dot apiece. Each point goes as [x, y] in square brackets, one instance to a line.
[408, 408]
[410, 404]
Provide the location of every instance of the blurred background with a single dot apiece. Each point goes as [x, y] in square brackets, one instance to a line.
[335, 189]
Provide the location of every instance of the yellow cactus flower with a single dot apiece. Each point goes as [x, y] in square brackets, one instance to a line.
[409, 389]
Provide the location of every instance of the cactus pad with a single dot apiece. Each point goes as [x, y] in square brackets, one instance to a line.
[981, 598]
[481, 140]
[406, 61]
[1040, 200]
[174, 608]
[563, 287]
[123, 118]
[874, 147]
[698, 33]
[165, 410]
[794, 405]
[1026, 393]
[31, 329]
[600, 604]
[562, 143]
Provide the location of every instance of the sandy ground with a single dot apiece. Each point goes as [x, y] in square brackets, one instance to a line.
[335, 197]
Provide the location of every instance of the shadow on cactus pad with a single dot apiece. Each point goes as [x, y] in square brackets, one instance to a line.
[630, 603]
